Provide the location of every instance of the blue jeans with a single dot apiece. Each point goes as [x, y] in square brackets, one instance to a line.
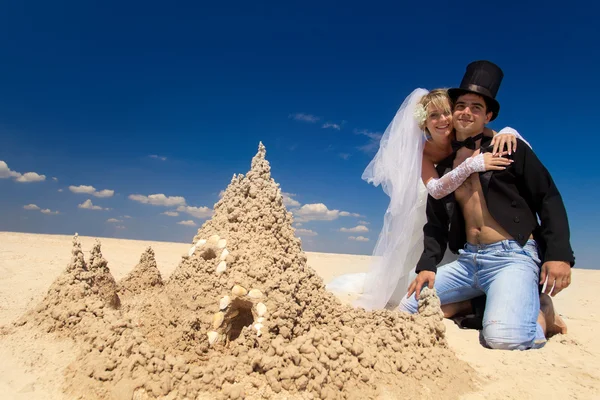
[509, 275]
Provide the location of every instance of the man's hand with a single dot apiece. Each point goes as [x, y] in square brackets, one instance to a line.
[558, 274]
[416, 285]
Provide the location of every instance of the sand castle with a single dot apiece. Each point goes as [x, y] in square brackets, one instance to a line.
[242, 316]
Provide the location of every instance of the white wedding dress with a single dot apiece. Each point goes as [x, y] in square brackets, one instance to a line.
[394, 261]
[397, 167]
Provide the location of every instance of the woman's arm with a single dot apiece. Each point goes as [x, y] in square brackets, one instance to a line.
[440, 187]
[506, 139]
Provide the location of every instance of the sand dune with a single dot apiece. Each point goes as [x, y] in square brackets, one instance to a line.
[31, 366]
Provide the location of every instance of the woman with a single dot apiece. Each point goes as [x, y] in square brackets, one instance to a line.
[418, 137]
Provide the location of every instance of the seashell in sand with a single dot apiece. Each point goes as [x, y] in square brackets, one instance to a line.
[255, 294]
[200, 242]
[260, 320]
[258, 327]
[261, 309]
[139, 394]
[212, 337]
[224, 254]
[238, 290]
[214, 239]
[192, 250]
[221, 267]
[222, 243]
[218, 319]
[224, 302]
[233, 313]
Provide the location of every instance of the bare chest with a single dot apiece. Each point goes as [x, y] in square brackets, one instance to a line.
[470, 191]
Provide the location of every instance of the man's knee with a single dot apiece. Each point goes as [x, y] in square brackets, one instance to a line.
[409, 305]
[504, 337]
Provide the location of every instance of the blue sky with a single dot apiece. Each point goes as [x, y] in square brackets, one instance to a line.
[89, 91]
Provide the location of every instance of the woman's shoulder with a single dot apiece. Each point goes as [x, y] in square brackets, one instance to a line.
[433, 154]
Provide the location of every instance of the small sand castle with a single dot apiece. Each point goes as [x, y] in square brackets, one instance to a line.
[144, 275]
[242, 316]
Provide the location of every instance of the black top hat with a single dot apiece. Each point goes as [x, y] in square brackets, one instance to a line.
[482, 78]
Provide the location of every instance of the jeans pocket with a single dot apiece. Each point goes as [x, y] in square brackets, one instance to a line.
[528, 258]
[533, 255]
[500, 253]
[532, 252]
[523, 254]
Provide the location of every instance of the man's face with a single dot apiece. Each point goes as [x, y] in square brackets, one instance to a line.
[470, 114]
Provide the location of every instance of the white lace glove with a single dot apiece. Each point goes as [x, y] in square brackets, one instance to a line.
[448, 183]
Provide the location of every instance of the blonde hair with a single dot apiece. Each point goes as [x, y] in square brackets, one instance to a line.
[440, 100]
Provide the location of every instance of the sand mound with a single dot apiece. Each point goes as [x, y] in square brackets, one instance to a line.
[145, 276]
[242, 316]
[81, 293]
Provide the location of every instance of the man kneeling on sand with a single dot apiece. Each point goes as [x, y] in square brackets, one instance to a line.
[491, 221]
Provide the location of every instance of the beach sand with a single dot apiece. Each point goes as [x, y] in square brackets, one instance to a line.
[32, 365]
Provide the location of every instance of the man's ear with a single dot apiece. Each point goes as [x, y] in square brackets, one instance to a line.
[488, 117]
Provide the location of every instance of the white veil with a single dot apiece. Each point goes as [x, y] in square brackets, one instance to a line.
[397, 167]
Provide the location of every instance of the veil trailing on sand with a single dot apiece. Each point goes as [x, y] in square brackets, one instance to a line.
[397, 168]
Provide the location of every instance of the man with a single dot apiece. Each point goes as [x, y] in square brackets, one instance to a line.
[491, 221]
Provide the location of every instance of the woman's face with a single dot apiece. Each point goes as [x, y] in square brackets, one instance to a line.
[439, 122]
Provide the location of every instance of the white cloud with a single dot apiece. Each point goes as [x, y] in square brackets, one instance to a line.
[89, 206]
[6, 172]
[319, 212]
[86, 189]
[298, 224]
[221, 194]
[44, 211]
[55, 179]
[288, 201]
[332, 126]
[31, 177]
[198, 212]
[374, 138]
[189, 222]
[60, 190]
[158, 199]
[369, 134]
[113, 220]
[364, 222]
[170, 201]
[345, 156]
[356, 229]
[305, 117]
[347, 214]
[27, 177]
[158, 157]
[126, 216]
[306, 232]
[119, 227]
[359, 238]
[315, 212]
